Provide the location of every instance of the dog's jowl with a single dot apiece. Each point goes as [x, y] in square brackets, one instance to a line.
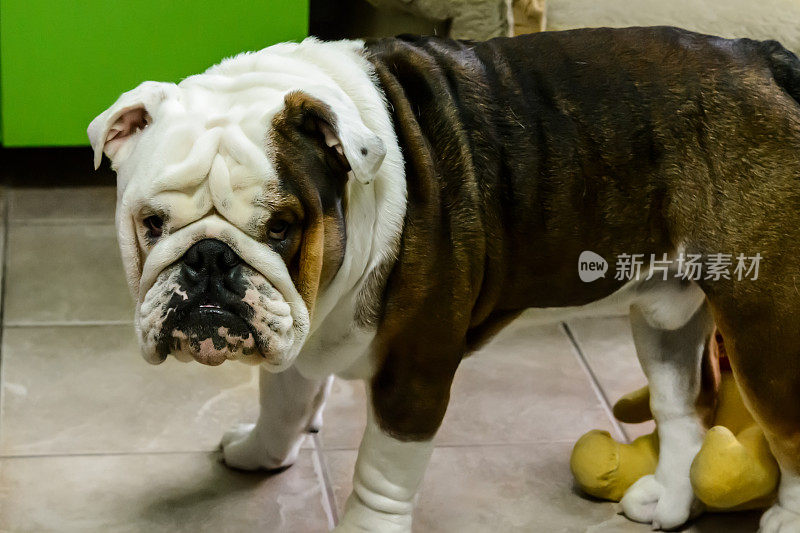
[377, 210]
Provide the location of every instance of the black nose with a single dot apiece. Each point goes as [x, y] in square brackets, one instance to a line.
[211, 258]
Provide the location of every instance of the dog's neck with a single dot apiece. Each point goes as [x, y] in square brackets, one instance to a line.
[375, 211]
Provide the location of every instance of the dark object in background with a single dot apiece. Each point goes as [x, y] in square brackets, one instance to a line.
[350, 19]
[66, 166]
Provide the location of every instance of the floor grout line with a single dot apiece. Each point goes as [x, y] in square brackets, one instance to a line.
[106, 454]
[316, 441]
[66, 221]
[474, 444]
[65, 323]
[595, 383]
[330, 498]
[4, 266]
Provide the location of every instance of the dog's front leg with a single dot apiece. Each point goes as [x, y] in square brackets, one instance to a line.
[407, 402]
[387, 475]
[291, 405]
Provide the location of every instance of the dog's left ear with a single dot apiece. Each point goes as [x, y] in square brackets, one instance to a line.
[340, 127]
[115, 128]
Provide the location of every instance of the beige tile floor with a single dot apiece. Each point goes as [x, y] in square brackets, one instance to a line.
[94, 439]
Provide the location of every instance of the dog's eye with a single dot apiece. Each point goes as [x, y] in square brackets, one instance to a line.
[278, 230]
[154, 225]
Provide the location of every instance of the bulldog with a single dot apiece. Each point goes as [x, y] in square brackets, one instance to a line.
[376, 210]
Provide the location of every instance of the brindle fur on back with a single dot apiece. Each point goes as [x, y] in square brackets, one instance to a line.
[521, 153]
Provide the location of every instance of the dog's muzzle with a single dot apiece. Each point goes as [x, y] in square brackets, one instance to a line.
[211, 306]
[213, 316]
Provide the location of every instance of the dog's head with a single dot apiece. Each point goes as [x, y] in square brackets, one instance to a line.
[232, 193]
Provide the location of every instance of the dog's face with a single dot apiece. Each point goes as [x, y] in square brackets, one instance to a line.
[231, 211]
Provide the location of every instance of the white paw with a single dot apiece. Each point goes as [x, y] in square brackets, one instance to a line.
[665, 506]
[243, 449]
[778, 519]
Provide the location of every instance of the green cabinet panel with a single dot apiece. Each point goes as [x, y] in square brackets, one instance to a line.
[63, 61]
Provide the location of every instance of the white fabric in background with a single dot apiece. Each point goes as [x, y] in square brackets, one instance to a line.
[762, 19]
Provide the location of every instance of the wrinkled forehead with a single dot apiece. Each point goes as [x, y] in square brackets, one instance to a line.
[206, 149]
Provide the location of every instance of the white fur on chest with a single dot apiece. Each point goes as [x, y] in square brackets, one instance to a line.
[338, 346]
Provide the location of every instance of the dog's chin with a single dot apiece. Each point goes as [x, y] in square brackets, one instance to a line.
[206, 353]
[213, 336]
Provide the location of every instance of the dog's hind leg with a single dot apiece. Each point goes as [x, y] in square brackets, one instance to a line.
[763, 344]
[670, 348]
[291, 405]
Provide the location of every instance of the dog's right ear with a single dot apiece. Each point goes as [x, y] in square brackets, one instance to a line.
[115, 128]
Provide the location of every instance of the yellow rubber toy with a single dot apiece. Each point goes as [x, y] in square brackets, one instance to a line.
[605, 468]
[734, 469]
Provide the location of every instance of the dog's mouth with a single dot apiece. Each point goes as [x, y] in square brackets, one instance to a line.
[209, 333]
[251, 323]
